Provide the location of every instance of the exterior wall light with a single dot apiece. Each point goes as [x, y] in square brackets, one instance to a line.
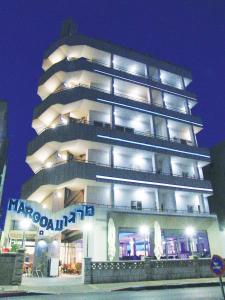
[144, 230]
[25, 224]
[190, 231]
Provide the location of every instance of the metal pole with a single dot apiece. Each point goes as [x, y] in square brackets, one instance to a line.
[221, 285]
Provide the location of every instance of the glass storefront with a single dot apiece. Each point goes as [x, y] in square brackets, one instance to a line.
[175, 244]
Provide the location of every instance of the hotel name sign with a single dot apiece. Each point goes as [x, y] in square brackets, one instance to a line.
[47, 220]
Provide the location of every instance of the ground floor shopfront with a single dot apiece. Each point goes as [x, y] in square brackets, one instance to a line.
[117, 236]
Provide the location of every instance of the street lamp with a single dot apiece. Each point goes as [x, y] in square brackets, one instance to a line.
[144, 230]
[24, 224]
[190, 231]
[87, 227]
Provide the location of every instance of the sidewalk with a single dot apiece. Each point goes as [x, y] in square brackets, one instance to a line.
[73, 284]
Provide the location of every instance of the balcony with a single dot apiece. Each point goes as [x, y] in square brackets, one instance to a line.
[119, 128]
[52, 81]
[95, 131]
[149, 210]
[53, 164]
[73, 170]
[121, 63]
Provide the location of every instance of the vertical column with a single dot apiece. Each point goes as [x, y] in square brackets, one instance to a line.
[188, 111]
[111, 60]
[147, 71]
[113, 116]
[167, 130]
[170, 165]
[112, 86]
[157, 199]
[197, 173]
[151, 126]
[111, 157]
[174, 201]
[163, 101]
[193, 136]
[153, 163]
[150, 96]
[183, 83]
[112, 194]
[202, 203]
[154, 126]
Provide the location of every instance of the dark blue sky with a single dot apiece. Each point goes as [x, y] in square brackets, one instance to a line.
[189, 33]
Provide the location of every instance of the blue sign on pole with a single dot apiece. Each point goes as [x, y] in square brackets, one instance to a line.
[217, 265]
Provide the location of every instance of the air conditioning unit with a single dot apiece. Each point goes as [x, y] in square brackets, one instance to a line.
[137, 205]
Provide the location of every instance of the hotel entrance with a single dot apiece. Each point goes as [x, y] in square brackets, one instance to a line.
[71, 253]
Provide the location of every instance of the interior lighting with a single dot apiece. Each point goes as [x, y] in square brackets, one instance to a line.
[149, 111]
[58, 194]
[48, 164]
[133, 69]
[143, 84]
[70, 84]
[64, 120]
[190, 231]
[64, 156]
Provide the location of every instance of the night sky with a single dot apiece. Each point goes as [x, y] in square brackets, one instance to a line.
[189, 33]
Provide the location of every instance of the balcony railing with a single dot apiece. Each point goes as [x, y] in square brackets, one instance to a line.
[145, 210]
[135, 98]
[119, 94]
[126, 70]
[122, 129]
[63, 88]
[123, 69]
[84, 161]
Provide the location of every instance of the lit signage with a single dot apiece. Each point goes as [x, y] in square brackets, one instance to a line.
[47, 220]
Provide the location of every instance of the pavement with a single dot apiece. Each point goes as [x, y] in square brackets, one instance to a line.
[71, 284]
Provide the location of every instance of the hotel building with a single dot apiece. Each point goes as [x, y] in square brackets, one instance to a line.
[115, 130]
